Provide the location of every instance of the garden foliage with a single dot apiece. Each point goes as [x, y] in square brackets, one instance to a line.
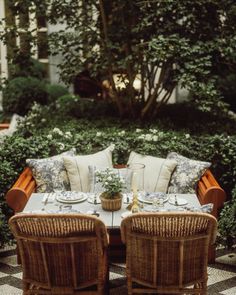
[20, 93]
[55, 91]
[23, 65]
[154, 45]
[159, 43]
[42, 135]
[227, 222]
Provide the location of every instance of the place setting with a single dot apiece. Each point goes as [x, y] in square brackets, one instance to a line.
[157, 202]
[154, 197]
[176, 200]
[71, 197]
[94, 198]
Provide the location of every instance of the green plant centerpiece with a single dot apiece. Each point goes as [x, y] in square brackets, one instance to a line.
[112, 183]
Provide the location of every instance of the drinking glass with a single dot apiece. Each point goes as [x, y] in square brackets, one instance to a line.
[137, 178]
[59, 188]
[155, 203]
[161, 201]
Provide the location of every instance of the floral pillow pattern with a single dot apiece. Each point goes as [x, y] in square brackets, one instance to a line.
[49, 173]
[186, 174]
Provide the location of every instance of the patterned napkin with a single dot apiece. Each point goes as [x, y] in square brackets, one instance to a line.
[207, 208]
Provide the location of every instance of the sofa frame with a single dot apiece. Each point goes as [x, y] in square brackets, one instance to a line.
[208, 191]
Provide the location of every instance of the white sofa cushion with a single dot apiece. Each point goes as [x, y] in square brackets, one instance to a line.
[78, 171]
[157, 171]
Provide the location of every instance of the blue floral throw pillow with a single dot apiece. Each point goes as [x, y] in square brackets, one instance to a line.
[49, 173]
[186, 174]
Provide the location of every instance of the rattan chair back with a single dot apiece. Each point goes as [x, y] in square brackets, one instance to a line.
[61, 253]
[167, 252]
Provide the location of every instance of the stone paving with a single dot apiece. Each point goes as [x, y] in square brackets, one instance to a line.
[222, 275]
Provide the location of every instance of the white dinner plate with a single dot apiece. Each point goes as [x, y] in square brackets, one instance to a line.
[180, 201]
[148, 199]
[73, 197]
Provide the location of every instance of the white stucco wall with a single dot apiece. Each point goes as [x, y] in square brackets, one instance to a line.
[55, 60]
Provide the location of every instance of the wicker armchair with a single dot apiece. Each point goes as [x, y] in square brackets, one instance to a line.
[167, 252]
[62, 254]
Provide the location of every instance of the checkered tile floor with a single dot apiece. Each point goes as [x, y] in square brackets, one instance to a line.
[222, 275]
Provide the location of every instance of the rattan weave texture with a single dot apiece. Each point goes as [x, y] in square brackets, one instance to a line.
[167, 252]
[62, 253]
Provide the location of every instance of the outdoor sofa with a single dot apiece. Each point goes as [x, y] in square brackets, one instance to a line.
[207, 190]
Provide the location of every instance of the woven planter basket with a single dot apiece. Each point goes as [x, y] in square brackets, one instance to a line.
[111, 204]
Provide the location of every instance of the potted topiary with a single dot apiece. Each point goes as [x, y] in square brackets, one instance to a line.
[112, 183]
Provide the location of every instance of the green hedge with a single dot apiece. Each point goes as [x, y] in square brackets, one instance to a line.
[20, 93]
[75, 106]
[55, 91]
[42, 135]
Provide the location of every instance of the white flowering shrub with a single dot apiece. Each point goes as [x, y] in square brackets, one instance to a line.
[35, 115]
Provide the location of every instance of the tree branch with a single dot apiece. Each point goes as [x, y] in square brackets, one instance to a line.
[110, 68]
[152, 98]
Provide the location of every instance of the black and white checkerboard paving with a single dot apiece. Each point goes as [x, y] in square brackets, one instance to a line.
[222, 275]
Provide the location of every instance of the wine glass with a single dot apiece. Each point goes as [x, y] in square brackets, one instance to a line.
[58, 188]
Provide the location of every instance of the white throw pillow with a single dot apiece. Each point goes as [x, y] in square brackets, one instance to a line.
[157, 171]
[78, 171]
[96, 187]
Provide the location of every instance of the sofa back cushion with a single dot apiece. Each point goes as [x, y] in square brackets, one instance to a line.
[49, 173]
[157, 171]
[186, 175]
[78, 171]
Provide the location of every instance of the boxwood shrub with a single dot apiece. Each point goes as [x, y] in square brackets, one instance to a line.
[20, 93]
